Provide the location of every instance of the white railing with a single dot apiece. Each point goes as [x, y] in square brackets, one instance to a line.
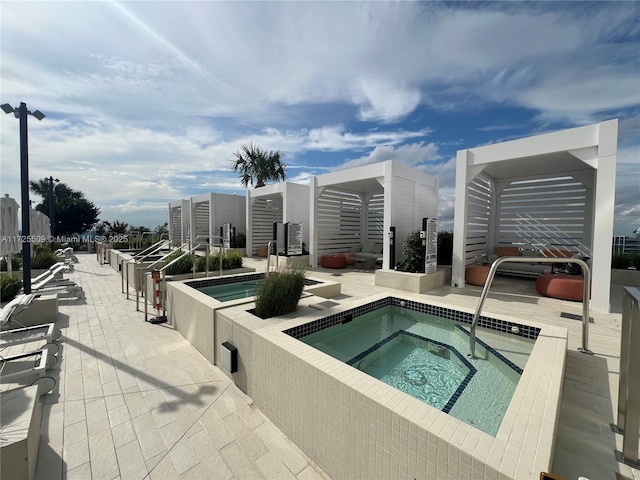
[629, 384]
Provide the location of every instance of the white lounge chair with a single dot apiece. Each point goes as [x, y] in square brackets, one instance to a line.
[48, 283]
[27, 367]
[10, 336]
[67, 253]
[56, 270]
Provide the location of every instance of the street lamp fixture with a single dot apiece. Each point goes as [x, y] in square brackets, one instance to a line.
[21, 113]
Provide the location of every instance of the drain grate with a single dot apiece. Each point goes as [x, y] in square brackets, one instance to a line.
[573, 316]
[323, 305]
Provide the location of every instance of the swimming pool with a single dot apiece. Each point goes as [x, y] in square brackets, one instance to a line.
[424, 356]
[225, 289]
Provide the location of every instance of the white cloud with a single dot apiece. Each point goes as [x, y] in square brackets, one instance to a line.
[164, 92]
[410, 154]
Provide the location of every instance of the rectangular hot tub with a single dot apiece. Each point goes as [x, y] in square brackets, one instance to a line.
[354, 425]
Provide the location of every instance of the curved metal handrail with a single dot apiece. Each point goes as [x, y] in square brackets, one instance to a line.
[585, 295]
[272, 242]
[220, 246]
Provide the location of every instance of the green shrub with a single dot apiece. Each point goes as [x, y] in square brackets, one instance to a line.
[280, 292]
[10, 286]
[43, 259]
[445, 248]
[184, 265]
[241, 240]
[414, 253]
[232, 260]
[16, 263]
[620, 261]
[229, 261]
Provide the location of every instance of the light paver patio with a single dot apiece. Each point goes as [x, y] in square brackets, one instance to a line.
[136, 401]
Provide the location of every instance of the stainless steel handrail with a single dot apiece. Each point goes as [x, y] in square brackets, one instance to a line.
[585, 295]
[137, 274]
[272, 242]
[156, 247]
[163, 282]
[629, 382]
[220, 246]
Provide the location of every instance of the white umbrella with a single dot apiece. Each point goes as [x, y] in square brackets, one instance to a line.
[40, 229]
[9, 239]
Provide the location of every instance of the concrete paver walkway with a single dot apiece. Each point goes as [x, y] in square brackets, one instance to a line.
[136, 400]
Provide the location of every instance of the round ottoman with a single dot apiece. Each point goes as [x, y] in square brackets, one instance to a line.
[333, 261]
[560, 285]
[477, 274]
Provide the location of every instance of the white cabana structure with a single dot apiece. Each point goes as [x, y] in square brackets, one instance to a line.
[358, 205]
[179, 222]
[551, 190]
[280, 202]
[211, 211]
[203, 216]
[10, 243]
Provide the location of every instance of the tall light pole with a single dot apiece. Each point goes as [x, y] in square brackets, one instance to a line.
[51, 205]
[21, 113]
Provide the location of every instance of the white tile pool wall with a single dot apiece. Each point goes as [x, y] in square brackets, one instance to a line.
[195, 316]
[354, 426]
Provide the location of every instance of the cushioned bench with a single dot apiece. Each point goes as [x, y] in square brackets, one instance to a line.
[560, 285]
[477, 274]
[333, 261]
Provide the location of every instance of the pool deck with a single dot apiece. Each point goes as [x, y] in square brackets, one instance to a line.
[136, 400]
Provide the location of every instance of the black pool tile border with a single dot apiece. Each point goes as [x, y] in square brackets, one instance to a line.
[248, 277]
[463, 384]
[504, 326]
[494, 352]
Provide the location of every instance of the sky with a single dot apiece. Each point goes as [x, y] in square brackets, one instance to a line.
[146, 101]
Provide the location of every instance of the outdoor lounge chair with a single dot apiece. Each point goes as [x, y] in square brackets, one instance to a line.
[48, 283]
[56, 270]
[67, 253]
[27, 367]
[10, 336]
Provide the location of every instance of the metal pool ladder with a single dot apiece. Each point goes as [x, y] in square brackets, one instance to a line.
[585, 296]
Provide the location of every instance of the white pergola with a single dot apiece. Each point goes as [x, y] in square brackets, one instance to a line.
[280, 202]
[550, 190]
[211, 211]
[179, 222]
[349, 207]
[203, 215]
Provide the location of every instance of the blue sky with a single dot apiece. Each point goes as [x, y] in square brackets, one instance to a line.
[147, 101]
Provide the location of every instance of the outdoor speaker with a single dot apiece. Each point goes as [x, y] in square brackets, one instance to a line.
[229, 357]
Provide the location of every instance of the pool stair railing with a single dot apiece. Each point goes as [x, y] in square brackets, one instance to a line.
[585, 296]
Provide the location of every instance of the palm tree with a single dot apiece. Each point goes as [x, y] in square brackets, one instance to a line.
[257, 166]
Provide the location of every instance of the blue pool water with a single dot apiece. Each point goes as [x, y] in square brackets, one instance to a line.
[425, 356]
[232, 291]
[225, 289]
